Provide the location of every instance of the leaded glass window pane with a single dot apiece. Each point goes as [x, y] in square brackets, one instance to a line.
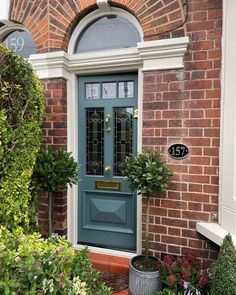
[123, 137]
[94, 141]
[109, 90]
[92, 90]
[126, 89]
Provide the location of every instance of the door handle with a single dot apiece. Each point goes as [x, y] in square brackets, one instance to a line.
[107, 120]
[107, 169]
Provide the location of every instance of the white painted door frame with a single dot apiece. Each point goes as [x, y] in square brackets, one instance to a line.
[148, 56]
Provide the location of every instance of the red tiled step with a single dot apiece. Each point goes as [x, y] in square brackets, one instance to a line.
[125, 292]
[109, 263]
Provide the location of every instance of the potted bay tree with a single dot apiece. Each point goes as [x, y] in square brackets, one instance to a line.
[53, 170]
[147, 174]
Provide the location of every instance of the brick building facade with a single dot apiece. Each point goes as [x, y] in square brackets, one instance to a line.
[178, 63]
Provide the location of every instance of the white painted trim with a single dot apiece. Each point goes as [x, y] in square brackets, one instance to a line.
[214, 232]
[104, 5]
[227, 207]
[139, 149]
[152, 55]
[164, 54]
[9, 27]
[98, 14]
[106, 251]
[72, 146]
[4, 11]
[51, 65]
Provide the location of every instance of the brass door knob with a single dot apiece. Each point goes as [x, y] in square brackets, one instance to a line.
[107, 169]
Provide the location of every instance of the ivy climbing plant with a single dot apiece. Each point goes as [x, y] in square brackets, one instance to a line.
[21, 113]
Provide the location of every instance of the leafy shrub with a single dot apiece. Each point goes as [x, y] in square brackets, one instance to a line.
[184, 274]
[167, 291]
[52, 171]
[21, 114]
[223, 271]
[30, 264]
[147, 173]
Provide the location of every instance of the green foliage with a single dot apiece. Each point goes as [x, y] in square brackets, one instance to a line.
[21, 114]
[167, 291]
[32, 265]
[223, 271]
[147, 173]
[54, 169]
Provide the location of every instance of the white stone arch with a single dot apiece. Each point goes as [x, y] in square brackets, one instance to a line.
[10, 27]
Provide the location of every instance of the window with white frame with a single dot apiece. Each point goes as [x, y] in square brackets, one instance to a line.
[106, 33]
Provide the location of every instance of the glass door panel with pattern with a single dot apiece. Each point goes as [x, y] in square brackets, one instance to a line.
[107, 134]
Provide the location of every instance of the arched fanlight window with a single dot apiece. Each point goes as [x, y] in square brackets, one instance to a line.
[105, 33]
[21, 42]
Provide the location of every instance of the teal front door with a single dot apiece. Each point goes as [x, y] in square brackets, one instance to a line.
[107, 134]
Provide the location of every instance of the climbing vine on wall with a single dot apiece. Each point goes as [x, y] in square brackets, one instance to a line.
[21, 114]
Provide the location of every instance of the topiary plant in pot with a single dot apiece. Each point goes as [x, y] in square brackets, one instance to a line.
[53, 170]
[149, 175]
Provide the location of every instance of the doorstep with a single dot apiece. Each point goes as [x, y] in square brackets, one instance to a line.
[113, 264]
[125, 292]
[109, 263]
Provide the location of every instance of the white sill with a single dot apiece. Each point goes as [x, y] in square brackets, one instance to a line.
[214, 232]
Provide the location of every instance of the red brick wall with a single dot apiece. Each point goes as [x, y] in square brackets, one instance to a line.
[180, 106]
[55, 135]
[51, 21]
[184, 107]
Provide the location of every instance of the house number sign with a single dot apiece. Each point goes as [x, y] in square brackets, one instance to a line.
[178, 151]
[21, 42]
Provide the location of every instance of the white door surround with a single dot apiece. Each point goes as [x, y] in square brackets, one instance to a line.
[147, 56]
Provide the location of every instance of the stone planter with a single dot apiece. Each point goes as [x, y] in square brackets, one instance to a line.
[143, 282]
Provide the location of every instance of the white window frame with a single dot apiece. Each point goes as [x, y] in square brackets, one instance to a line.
[87, 20]
[9, 27]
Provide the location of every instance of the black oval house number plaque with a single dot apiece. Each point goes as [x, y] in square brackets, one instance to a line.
[178, 151]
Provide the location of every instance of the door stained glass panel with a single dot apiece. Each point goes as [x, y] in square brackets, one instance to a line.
[92, 90]
[123, 137]
[126, 89]
[94, 141]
